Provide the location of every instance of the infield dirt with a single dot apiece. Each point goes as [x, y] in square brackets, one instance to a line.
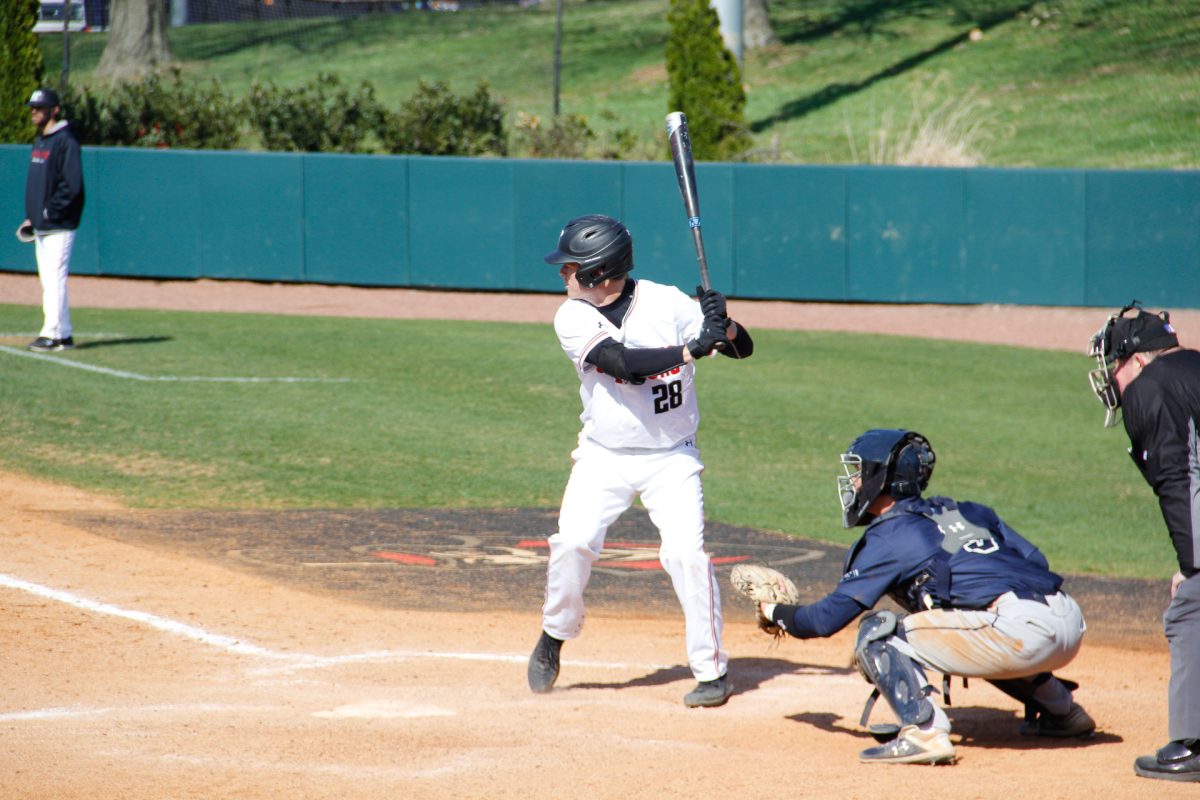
[164, 657]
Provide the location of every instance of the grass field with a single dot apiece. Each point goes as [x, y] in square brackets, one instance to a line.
[1055, 83]
[397, 413]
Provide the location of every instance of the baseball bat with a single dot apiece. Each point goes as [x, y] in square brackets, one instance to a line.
[685, 171]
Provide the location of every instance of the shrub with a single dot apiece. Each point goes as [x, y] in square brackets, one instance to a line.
[565, 137]
[156, 113]
[21, 68]
[705, 82]
[436, 122]
[321, 116]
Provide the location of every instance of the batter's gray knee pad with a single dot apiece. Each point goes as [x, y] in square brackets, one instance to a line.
[895, 676]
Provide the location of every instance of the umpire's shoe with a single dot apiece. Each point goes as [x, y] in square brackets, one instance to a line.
[912, 746]
[543, 663]
[709, 693]
[1178, 761]
[1075, 724]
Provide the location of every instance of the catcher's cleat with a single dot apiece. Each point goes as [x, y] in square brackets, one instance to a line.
[1177, 761]
[709, 693]
[1075, 724]
[543, 663]
[912, 746]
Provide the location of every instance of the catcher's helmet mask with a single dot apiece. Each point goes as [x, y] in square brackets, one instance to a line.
[600, 245]
[895, 462]
[1119, 338]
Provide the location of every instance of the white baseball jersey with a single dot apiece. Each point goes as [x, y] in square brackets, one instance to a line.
[657, 413]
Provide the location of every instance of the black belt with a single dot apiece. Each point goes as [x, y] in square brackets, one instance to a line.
[1029, 594]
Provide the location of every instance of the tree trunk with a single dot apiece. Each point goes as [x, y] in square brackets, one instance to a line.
[137, 40]
[756, 25]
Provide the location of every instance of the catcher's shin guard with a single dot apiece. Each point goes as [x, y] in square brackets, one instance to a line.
[895, 676]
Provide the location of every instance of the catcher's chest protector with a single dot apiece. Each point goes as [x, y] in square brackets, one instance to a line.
[962, 540]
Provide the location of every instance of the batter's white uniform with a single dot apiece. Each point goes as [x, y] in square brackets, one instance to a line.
[638, 439]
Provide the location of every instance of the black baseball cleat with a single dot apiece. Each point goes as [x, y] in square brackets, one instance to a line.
[44, 344]
[709, 693]
[1177, 761]
[543, 663]
[1075, 724]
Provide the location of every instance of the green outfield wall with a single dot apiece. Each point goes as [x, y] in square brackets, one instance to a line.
[855, 233]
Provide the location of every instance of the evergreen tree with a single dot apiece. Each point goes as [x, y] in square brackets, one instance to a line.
[705, 82]
[21, 68]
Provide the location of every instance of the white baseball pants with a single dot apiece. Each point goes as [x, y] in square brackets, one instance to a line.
[53, 251]
[603, 484]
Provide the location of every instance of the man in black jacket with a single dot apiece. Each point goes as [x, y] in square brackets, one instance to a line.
[1142, 370]
[53, 207]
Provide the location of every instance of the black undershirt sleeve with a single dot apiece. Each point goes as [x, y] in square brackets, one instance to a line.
[633, 364]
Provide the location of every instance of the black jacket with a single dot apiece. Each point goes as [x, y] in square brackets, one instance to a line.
[1161, 407]
[54, 184]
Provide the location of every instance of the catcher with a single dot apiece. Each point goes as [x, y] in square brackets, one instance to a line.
[982, 602]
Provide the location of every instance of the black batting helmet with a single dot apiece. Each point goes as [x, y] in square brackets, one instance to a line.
[602, 246]
[895, 462]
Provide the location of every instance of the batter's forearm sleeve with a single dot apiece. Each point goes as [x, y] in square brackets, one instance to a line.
[633, 363]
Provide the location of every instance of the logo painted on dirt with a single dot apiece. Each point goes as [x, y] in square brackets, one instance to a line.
[617, 557]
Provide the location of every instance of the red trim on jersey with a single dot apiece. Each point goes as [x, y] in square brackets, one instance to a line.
[595, 340]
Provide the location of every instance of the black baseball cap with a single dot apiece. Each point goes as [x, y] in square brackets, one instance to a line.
[1140, 333]
[43, 98]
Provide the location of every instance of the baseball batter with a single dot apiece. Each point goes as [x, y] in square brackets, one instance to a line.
[982, 602]
[634, 345]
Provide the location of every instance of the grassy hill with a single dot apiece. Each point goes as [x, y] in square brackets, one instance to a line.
[1060, 83]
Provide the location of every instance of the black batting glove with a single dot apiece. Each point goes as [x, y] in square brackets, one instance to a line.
[712, 302]
[712, 337]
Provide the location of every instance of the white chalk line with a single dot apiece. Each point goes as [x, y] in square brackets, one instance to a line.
[92, 336]
[358, 772]
[40, 714]
[136, 376]
[291, 661]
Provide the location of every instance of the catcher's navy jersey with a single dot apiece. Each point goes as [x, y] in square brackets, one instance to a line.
[930, 553]
[935, 553]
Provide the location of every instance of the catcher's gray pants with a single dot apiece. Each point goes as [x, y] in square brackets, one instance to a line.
[1181, 622]
[1012, 638]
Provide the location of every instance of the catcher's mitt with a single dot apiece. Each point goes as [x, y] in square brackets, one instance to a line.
[764, 585]
[24, 233]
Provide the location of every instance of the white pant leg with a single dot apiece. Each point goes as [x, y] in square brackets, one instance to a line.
[1012, 639]
[595, 496]
[53, 251]
[671, 490]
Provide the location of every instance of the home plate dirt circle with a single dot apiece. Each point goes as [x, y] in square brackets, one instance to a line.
[496, 559]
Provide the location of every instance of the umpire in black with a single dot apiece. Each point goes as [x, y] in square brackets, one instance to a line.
[1142, 370]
